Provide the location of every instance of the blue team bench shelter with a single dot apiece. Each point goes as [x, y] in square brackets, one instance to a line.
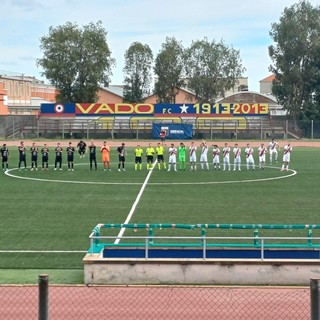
[183, 253]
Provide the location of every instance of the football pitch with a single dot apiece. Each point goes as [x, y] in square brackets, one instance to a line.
[47, 216]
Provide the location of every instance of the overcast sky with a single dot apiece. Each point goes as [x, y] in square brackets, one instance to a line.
[243, 24]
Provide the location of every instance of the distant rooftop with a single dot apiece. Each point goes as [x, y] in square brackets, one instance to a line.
[269, 96]
[115, 89]
[269, 78]
[10, 73]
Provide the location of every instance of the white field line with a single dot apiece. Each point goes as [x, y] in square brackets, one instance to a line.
[133, 208]
[292, 173]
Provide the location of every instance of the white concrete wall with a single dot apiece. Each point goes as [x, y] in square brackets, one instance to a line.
[198, 271]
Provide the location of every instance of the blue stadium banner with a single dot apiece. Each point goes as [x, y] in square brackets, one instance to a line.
[58, 109]
[173, 131]
[209, 110]
[155, 110]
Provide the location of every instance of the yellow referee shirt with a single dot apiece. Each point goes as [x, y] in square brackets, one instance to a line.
[159, 150]
[150, 151]
[138, 152]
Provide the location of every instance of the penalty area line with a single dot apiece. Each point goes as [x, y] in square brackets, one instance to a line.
[133, 208]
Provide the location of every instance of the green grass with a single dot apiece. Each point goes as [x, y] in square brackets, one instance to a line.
[42, 215]
[30, 276]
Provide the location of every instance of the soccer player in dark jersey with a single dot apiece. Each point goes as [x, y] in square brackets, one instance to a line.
[58, 159]
[92, 155]
[81, 146]
[121, 153]
[4, 156]
[34, 157]
[22, 155]
[45, 157]
[70, 156]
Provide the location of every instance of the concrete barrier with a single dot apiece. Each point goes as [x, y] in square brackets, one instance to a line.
[99, 270]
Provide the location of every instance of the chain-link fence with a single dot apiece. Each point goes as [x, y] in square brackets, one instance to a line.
[154, 302]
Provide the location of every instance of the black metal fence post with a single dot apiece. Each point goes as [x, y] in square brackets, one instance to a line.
[315, 299]
[43, 281]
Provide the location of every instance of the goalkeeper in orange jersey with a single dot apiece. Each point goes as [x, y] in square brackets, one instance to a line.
[105, 152]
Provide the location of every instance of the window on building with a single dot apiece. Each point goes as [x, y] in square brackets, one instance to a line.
[10, 88]
[16, 89]
[28, 89]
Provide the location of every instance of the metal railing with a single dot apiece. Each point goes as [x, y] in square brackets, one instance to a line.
[205, 242]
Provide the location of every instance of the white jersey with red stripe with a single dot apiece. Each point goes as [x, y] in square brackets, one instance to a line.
[273, 147]
[193, 153]
[226, 154]
[236, 152]
[249, 154]
[248, 151]
[216, 155]
[287, 149]
[262, 151]
[204, 150]
[172, 154]
[287, 152]
[192, 150]
[204, 153]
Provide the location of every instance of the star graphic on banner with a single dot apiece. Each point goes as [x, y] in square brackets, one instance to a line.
[184, 109]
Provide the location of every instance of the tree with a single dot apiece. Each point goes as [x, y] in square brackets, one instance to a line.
[211, 69]
[76, 60]
[295, 57]
[137, 70]
[169, 66]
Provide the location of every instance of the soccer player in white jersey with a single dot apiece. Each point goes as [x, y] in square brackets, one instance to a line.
[172, 157]
[286, 157]
[226, 157]
[216, 157]
[193, 157]
[236, 157]
[249, 157]
[273, 151]
[204, 155]
[262, 150]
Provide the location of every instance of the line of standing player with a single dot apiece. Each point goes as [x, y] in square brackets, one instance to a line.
[34, 151]
[227, 152]
[150, 153]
